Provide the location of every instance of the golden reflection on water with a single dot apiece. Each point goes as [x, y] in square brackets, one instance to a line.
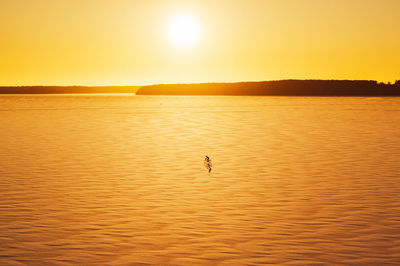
[117, 180]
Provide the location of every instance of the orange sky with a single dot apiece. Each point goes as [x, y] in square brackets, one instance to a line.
[125, 42]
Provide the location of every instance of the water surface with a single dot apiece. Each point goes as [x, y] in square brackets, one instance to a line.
[116, 179]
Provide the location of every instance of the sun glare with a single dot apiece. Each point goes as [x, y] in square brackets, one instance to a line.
[183, 30]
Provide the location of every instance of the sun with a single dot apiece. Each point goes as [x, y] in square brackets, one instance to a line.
[183, 30]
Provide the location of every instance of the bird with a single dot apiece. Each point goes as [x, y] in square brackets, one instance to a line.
[208, 163]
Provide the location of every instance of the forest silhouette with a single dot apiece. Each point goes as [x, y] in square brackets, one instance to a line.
[272, 88]
[67, 89]
[279, 88]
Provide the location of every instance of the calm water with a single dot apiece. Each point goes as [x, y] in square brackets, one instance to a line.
[93, 179]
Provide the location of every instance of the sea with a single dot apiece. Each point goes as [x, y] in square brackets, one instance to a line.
[119, 179]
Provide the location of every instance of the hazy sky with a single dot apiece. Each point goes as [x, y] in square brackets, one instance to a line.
[126, 42]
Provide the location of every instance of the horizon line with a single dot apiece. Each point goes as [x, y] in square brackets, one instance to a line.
[208, 82]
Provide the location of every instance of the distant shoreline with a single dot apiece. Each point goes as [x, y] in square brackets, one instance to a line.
[279, 88]
[261, 88]
[67, 89]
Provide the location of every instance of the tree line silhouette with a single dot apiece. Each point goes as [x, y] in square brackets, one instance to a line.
[67, 89]
[289, 87]
[279, 88]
